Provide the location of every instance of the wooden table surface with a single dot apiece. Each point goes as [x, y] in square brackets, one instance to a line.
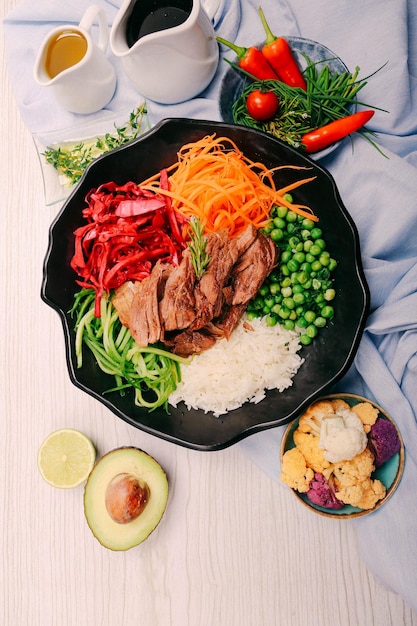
[233, 549]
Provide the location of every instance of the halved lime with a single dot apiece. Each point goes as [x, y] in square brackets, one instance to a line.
[66, 458]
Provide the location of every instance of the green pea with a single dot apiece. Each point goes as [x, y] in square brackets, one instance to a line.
[329, 295]
[297, 288]
[324, 258]
[289, 324]
[279, 222]
[288, 198]
[299, 257]
[305, 340]
[308, 224]
[288, 303]
[315, 250]
[299, 298]
[286, 292]
[301, 322]
[271, 320]
[327, 312]
[274, 289]
[316, 233]
[302, 278]
[291, 216]
[286, 256]
[293, 242]
[277, 234]
[320, 322]
[292, 265]
[312, 331]
[281, 211]
[332, 264]
[284, 312]
[310, 316]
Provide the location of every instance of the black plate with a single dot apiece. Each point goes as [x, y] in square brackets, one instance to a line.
[326, 360]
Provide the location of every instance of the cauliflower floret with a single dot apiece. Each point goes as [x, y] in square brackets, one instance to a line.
[322, 493]
[354, 484]
[355, 470]
[308, 444]
[295, 472]
[383, 441]
[342, 436]
[367, 414]
[364, 496]
[310, 421]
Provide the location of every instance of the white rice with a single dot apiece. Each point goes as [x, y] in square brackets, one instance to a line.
[240, 369]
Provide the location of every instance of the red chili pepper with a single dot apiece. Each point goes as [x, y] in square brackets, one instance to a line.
[251, 60]
[279, 55]
[321, 138]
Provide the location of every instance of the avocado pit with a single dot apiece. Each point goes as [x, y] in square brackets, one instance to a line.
[126, 497]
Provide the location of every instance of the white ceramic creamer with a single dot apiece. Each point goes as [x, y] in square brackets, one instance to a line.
[167, 47]
[74, 67]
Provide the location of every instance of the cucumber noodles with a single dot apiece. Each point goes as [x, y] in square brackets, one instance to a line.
[149, 369]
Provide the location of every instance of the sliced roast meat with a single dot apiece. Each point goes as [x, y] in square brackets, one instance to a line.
[226, 324]
[144, 321]
[189, 315]
[123, 299]
[223, 253]
[187, 342]
[177, 306]
[253, 267]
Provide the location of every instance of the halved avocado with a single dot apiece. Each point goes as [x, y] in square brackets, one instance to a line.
[125, 498]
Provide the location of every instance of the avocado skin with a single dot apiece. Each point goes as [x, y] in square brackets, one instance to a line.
[132, 460]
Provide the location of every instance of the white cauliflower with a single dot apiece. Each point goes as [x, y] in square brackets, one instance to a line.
[342, 436]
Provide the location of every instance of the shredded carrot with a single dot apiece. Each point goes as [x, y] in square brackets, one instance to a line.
[215, 181]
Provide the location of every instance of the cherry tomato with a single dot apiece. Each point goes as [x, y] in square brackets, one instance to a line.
[262, 105]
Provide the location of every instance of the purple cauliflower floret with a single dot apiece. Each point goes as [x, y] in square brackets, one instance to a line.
[383, 441]
[321, 492]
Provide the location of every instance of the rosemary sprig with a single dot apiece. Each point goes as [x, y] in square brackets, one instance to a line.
[70, 162]
[198, 247]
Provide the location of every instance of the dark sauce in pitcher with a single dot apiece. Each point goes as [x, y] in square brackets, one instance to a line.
[151, 16]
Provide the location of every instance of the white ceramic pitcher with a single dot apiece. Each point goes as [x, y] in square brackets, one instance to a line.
[172, 64]
[88, 84]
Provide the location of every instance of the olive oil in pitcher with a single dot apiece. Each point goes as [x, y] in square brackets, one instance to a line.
[67, 48]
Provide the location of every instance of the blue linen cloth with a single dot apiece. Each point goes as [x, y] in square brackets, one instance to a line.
[379, 192]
